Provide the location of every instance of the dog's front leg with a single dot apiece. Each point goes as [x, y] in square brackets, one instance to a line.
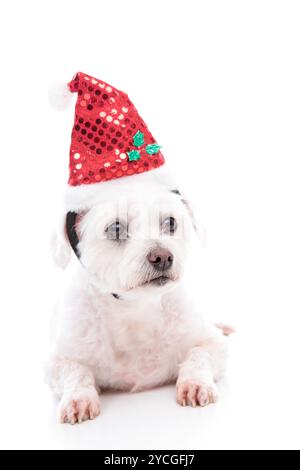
[75, 385]
[197, 374]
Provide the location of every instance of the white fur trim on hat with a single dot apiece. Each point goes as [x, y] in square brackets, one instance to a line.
[83, 197]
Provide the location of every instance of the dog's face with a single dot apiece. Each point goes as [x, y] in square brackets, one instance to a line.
[135, 240]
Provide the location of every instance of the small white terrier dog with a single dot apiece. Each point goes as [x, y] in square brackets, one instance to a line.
[125, 322]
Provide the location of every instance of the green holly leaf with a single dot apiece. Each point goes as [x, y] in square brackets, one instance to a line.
[153, 149]
[134, 155]
[138, 139]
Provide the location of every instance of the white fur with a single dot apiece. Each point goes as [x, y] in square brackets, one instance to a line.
[150, 336]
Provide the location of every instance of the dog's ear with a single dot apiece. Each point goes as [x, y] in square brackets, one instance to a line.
[191, 213]
[199, 228]
[60, 245]
[66, 239]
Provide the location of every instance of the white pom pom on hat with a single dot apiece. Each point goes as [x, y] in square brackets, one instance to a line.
[59, 96]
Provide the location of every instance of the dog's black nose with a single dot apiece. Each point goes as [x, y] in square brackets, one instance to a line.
[161, 259]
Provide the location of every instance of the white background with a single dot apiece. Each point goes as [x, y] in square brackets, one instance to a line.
[218, 82]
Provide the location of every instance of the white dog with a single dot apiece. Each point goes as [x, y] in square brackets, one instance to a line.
[125, 321]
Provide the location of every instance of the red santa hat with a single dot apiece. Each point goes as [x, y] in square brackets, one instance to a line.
[110, 140]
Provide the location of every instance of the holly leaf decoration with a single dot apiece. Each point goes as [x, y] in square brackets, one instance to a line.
[138, 139]
[134, 155]
[153, 149]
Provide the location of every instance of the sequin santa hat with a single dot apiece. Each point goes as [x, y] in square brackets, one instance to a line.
[110, 140]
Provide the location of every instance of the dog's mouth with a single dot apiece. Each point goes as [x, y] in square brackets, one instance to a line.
[159, 281]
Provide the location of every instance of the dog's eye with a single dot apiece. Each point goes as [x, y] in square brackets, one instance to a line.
[169, 225]
[116, 231]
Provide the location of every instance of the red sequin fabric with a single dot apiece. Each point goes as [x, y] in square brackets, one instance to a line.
[109, 138]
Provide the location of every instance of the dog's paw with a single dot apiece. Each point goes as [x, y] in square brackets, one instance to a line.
[79, 406]
[227, 330]
[194, 393]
